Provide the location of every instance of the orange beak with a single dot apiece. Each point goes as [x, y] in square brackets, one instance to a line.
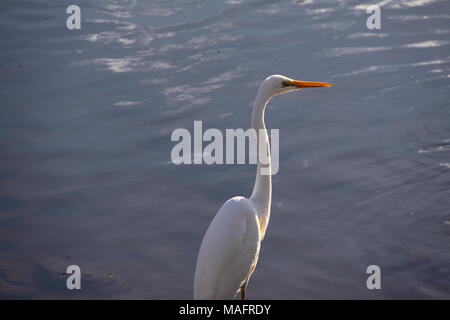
[310, 84]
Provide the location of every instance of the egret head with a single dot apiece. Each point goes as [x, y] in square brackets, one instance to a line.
[277, 84]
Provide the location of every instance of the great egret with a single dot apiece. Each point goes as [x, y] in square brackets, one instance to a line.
[230, 248]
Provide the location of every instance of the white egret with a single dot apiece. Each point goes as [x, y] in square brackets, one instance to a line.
[230, 248]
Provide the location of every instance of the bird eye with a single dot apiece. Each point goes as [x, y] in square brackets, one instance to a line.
[286, 83]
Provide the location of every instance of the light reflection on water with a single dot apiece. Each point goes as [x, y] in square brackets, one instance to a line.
[86, 123]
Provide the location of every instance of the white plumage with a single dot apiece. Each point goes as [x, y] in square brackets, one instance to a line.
[230, 248]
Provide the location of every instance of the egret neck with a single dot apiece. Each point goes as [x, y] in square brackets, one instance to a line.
[262, 191]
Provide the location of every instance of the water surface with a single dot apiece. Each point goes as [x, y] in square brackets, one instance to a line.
[85, 167]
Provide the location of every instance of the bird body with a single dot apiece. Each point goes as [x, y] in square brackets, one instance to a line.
[232, 240]
[230, 248]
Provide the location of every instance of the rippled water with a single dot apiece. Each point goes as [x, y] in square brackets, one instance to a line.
[85, 167]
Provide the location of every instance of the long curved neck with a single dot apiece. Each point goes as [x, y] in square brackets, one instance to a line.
[262, 191]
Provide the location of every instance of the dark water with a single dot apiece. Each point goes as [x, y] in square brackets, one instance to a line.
[86, 118]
